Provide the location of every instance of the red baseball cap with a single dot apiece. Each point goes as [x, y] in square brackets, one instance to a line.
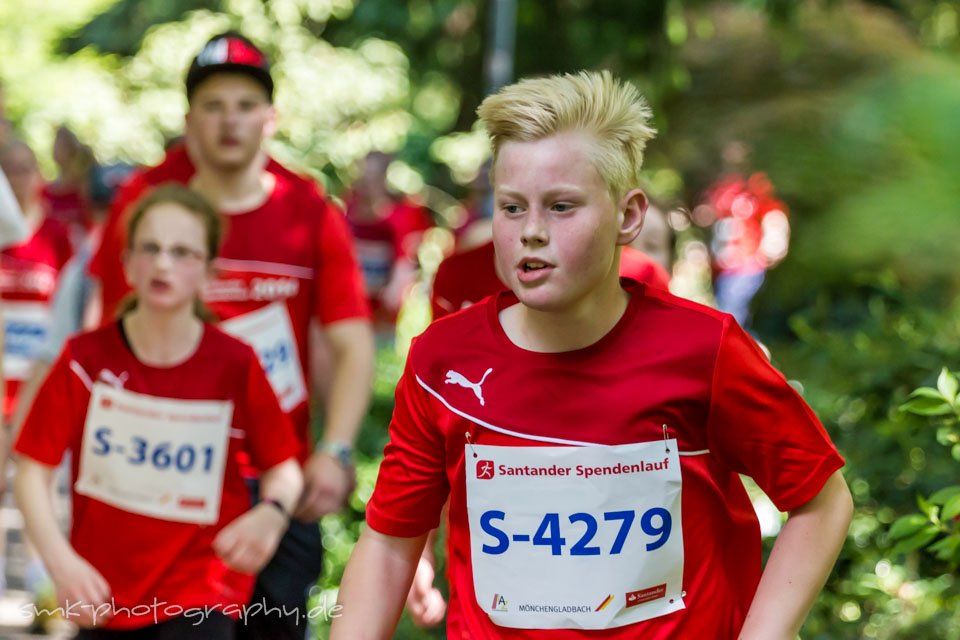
[229, 52]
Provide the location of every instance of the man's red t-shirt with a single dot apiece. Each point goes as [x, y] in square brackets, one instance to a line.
[294, 249]
[669, 362]
[470, 276]
[142, 557]
[28, 277]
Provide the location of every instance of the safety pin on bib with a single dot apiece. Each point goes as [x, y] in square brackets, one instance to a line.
[666, 446]
[470, 444]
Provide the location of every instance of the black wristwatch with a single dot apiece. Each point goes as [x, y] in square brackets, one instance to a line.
[276, 504]
[342, 453]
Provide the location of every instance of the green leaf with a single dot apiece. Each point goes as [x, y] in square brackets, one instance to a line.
[947, 548]
[955, 452]
[941, 496]
[951, 508]
[918, 540]
[927, 406]
[926, 392]
[927, 508]
[947, 385]
[946, 435]
[908, 525]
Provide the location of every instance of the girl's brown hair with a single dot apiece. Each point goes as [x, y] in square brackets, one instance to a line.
[195, 204]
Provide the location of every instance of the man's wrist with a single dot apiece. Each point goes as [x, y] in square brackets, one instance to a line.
[339, 451]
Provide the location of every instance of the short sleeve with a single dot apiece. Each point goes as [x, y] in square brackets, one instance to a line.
[340, 294]
[761, 427]
[412, 486]
[269, 432]
[56, 417]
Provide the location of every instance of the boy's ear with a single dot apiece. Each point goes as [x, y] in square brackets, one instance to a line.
[633, 208]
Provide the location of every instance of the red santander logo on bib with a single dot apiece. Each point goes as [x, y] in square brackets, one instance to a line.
[485, 470]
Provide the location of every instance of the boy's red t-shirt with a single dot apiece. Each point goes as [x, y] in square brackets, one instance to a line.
[142, 557]
[667, 362]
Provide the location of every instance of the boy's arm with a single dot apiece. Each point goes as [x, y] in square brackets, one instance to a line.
[375, 586]
[799, 564]
[425, 603]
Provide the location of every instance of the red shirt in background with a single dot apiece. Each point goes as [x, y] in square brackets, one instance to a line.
[380, 243]
[28, 277]
[68, 207]
[741, 204]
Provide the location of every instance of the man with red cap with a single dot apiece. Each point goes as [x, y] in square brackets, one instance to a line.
[286, 268]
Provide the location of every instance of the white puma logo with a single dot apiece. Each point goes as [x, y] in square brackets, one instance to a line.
[113, 379]
[457, 378]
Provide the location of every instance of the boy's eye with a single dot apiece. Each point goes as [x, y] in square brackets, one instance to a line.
[562, 207]
[510, 208]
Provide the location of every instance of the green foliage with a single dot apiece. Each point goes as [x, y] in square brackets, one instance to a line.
[936, 526]
[120, 29]
[341, 530]
[862, 348]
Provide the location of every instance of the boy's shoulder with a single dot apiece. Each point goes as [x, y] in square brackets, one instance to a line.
[457, 337]
[668, 318]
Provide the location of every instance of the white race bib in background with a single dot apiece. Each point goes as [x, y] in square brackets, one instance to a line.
[155, 456]
[25, 328]
[270, 333]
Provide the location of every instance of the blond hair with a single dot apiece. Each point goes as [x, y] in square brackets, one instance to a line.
[595, 102]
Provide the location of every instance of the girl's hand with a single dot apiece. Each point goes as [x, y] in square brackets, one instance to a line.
[248, 543]
[82, 591]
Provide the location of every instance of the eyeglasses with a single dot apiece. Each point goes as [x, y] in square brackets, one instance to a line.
[178, 253]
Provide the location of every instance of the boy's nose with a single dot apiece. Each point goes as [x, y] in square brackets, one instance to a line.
[534, 232]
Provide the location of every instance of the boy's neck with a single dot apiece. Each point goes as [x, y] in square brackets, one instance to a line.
[163, 339]
[235, 191]
[551, 332]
